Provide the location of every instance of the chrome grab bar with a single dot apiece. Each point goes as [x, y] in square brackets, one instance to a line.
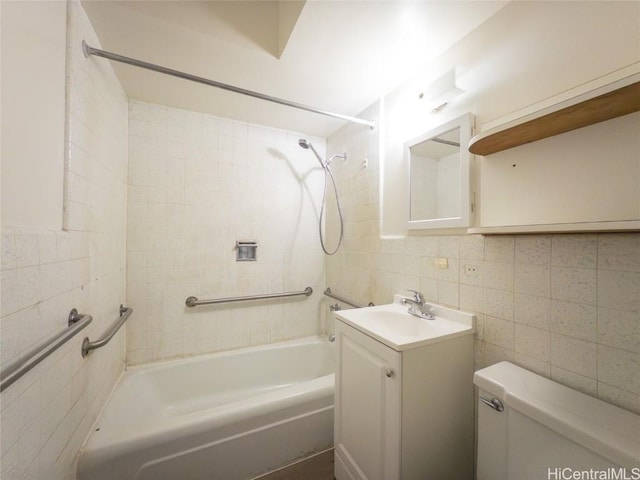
[87, 346]
[329, 293]
[194, 302]
[14, 371]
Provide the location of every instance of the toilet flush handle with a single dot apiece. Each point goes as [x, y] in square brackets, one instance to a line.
[494, 403]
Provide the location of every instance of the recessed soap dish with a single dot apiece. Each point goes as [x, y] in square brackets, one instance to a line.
[246, 250]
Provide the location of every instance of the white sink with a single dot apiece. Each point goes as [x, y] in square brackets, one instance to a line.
[393, 326]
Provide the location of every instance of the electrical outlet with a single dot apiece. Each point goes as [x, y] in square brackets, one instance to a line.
[471, 270]
[443, 263]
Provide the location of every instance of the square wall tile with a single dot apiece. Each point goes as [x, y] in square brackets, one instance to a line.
[499, 249]
[574, 320]
[533, 342]
[533, 279]
[619, 329]
[619, 368]
[471, 272]
[619, 290]
[531, 310]
[533, 249]
[498, 276]
[498, 303]
[574, 284]
[619, 251]
[573, 380]
[619, 397]
[472, 247]
[472, 298]
[575, 355]
[492, 354]
[534, 365]
[498, 332]
[574, 250]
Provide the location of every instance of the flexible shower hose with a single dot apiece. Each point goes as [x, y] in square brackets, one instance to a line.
[327, 170]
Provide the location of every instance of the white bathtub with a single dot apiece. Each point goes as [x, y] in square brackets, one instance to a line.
[231, 415]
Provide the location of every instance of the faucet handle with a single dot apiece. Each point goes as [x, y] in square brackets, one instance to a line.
[417, 296]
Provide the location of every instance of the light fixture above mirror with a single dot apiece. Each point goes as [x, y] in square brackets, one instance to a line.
[440, 91]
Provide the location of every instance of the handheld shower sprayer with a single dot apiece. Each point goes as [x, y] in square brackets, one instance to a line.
[327, 174]
[307, 145]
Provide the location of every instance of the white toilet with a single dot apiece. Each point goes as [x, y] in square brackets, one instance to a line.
[531, 428]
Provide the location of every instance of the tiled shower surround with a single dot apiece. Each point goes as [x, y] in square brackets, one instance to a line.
[47, 414]
[565, 306]
[197, 184]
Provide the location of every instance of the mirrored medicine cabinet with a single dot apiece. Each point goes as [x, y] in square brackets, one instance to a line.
[439, 168]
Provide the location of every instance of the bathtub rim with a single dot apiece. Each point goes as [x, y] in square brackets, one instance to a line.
[320, 339]
[194, 422]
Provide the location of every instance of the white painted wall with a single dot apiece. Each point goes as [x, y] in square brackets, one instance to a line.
[46, 270]
[585, 175]
[33, 113]
[527, 52]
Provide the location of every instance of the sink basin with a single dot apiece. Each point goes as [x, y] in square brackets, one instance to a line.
[393, 326]
[398, 322]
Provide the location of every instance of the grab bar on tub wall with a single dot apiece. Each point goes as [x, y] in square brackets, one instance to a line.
[87, 346]
[329, 293]
[10, 374]
[194, 302]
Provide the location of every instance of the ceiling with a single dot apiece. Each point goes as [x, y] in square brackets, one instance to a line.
[338, 56]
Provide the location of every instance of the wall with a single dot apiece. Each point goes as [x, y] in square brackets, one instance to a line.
[198, 183]
[46, 269]
[596, 178]
[32, 111]
[565, 306]
[507, 64]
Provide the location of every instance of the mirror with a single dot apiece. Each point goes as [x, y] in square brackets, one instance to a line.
[439, 176]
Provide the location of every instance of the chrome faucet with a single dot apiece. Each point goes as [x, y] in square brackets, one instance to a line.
[418, 306]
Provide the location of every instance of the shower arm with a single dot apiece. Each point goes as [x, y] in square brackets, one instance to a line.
[88, 50]
[341, 156]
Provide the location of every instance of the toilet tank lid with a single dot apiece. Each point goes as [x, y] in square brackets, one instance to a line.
[610, 431]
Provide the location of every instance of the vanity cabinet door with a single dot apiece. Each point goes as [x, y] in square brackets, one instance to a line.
[367, 407]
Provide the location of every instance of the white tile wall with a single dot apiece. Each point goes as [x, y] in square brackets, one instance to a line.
[565, 306]
[48, 413]
[198, 183]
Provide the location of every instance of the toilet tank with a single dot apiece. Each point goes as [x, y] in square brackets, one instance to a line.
[549, 431]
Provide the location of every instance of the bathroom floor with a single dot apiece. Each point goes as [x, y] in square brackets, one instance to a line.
[319, 467]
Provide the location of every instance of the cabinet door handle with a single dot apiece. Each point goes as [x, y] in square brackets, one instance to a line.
[388, 372]
[494, 403]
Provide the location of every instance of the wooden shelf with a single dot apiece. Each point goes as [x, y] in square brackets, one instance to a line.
[580, 227]
[610, 101]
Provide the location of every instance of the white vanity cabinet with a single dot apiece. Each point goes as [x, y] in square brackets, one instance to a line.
[403, 414]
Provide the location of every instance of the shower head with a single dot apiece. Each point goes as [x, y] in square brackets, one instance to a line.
[303, 143]
[306, 144]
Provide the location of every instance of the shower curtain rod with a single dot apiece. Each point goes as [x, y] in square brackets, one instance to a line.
[88, 50]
